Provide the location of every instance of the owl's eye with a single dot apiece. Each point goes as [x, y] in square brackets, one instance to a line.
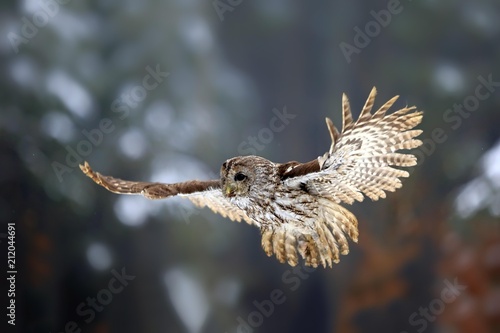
[239, 177]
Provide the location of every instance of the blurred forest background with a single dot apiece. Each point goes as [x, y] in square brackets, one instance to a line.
[167, 90]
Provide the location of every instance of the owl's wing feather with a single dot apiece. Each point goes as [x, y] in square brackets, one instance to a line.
[215, 200]
[147, 189]
[201, 193]
[362, 157]
[360, 162]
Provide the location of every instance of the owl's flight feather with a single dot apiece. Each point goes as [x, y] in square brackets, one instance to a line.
[297, 205]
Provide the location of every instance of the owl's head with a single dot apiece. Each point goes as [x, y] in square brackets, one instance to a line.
[240, 174]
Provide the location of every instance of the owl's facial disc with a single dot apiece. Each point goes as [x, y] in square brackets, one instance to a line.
[235, 184]
[234, 180]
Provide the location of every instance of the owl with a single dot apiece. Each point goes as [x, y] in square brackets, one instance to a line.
[298, 206]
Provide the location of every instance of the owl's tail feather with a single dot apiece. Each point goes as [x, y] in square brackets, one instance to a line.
[321, 243]
[328, 238]
[282, 242]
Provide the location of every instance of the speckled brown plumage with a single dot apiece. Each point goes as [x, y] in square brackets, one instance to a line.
[297, 205]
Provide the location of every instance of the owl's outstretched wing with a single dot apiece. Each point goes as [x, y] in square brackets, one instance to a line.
[361, 160]
[362, 157]
[201, 193]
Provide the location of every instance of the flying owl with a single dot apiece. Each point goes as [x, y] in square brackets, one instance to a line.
[297, 206]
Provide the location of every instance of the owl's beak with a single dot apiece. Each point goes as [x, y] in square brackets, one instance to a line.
[229, 189]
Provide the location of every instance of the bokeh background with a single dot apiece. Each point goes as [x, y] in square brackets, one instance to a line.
[224, 70]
